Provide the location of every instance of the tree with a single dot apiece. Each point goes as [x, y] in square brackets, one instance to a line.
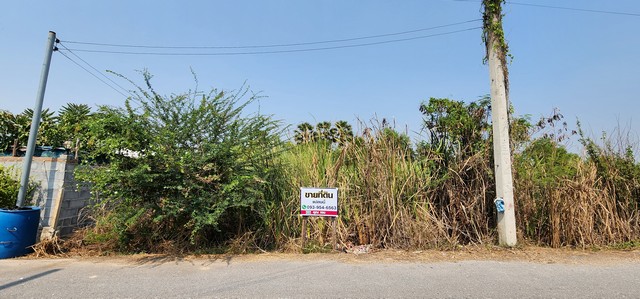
[72, 118]
[73, 125]
[456, 129]
[344, 132]
[47, 131]
[8, 129]
[339, 133]
[325, 132]
[305, 133]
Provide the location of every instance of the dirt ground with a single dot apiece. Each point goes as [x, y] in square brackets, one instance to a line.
[530, 254]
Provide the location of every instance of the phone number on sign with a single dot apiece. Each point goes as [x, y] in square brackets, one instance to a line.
[314, 207]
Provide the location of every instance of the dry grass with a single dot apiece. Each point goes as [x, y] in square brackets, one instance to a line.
[393, 198]
[593, 204]
[53, 247]
[389, 198]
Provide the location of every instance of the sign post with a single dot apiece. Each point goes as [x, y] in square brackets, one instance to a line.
[319, 202]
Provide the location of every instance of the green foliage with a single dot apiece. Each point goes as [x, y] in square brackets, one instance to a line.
[388, 198]
[492, 21]
[540, 169]
[305, 133]
[314, 247]
[344, 132]
[189, 172]
[47, 130]
[546, 163]
[8, 129]
[73, 120]
[188, 168]
[9, 187]
[565, 199]
[54, 130]
[340, 133]
[616, 167]
[519, 131]
[629, 245]
[456, 129]
[394, 139]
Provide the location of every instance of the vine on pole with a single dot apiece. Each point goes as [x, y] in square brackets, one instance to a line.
[493, 34]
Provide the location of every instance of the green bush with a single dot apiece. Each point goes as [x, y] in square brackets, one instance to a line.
[9, 187]
[182, 171]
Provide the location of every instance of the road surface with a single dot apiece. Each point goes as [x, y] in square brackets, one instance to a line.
[318, 276]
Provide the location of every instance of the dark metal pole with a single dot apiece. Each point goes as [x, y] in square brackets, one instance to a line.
[35, 121]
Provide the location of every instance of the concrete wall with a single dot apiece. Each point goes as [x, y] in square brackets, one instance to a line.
[57, 196]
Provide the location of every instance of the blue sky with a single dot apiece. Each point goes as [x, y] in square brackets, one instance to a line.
[585, 64]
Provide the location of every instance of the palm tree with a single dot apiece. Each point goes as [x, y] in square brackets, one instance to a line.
[73, 121]
[305, 133]
[72, 116]
[325, 132]
[47, 130]
[344, 132]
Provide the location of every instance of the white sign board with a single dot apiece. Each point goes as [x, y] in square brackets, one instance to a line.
[319, 202]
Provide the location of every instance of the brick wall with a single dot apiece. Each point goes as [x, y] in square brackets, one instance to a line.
[57, 196]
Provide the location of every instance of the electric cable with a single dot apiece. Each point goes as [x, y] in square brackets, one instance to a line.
[92, 74]
[576, 9]
[95, 69]
[272, 45]
[275, 51]
[563, 8]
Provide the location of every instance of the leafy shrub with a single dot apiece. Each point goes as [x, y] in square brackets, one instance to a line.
[616, 166]
[9, 187]
[189, 171]
[186, 169]
[540, 170]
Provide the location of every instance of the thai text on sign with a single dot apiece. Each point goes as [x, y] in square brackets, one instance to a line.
[319, 202]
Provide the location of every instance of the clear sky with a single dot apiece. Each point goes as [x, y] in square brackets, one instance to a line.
[584, 63]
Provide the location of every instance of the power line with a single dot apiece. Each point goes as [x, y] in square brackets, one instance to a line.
[95, 69]
[92, 74]
[565, 8]
[577, 9]
[275, 51]
[272, 45]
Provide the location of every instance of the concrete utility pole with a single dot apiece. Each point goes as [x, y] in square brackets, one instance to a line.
[496, 56]
[35, 121]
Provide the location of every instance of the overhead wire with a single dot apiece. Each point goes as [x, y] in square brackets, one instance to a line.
[274, 51]
[95, 69]
[91, 73]
[274, 45]
[576, 9]
[563, 8]
[72, 51]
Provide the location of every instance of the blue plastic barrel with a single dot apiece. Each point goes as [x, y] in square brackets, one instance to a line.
[18, 229]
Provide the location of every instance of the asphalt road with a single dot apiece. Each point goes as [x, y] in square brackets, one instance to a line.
[316, 277]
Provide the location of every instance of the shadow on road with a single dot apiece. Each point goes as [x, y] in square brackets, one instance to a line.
[27, 279]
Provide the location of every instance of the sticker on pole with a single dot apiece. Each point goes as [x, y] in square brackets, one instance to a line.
[319, 202]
